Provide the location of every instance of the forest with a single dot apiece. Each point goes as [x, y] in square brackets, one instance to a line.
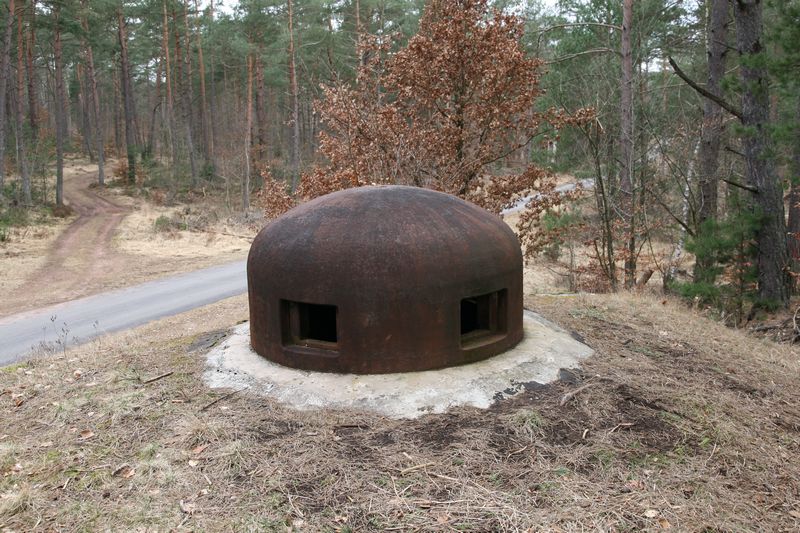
[677, 119]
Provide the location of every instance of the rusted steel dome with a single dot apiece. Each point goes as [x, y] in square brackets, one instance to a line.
[384, 279]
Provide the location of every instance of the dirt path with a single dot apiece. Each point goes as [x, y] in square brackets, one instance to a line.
[82, 259]
[108, 244]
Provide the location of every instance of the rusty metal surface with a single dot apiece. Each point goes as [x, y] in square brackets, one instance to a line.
[396, 262]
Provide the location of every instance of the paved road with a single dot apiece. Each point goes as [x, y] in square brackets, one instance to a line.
[80, 320]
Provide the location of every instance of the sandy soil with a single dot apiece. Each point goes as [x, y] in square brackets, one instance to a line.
[109, 242]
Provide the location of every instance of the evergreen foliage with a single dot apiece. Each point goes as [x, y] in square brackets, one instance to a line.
[727, 246]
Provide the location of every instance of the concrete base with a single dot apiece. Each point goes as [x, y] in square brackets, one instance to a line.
[545, 349]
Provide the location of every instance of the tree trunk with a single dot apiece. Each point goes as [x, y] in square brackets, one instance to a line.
[150, 142]
[66, 124]
[772, 258]
[360, 54]
[127, 97]
[84, 101]
[794, 197]
[212, 108]
[329, 49]
[294, 156]
[713, 115]
[22, 156]
[33, 111]
[276, 134]
[248, 130]
[117, 117]
[184, 82]
[604, 250]
[4, 73]
[60, 107]
[95, 102]
[208, 149]
[171, 127]
[627, 204]
[261, 125]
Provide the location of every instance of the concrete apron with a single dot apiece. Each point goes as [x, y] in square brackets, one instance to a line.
[545, 349]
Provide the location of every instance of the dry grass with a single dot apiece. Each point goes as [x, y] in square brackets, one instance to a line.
[684, 424]
[26, 250]
[197, 233]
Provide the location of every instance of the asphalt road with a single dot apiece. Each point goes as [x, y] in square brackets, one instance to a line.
[80, 320]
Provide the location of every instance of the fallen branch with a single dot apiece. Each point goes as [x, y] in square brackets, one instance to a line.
[224, 397]
[162, 376]
[412, 468]
[516, 452]
[570, 395]
[622, 425]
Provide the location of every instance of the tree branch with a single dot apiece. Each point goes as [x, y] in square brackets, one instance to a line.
[578, 54]
[578, 25]
[676, 218]
[730, 108]
[572, 25]
[740, 185]
[734, 151]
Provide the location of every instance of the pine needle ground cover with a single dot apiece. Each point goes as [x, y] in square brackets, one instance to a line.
[676, 422]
